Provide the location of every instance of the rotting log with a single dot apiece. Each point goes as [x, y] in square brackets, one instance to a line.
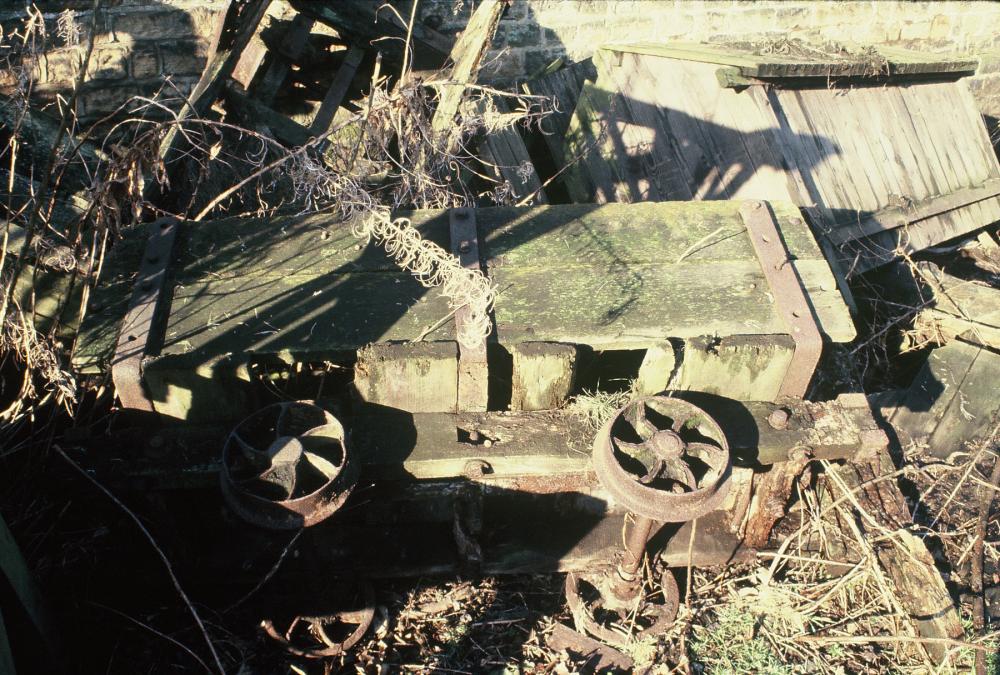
[877, 509]
[770, 493]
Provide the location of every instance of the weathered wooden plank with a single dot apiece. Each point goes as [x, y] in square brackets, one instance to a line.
[974, 409]
[891, 217]
[338, 89]
[364, 20]
[505, 153]
[293, 45]
[951, 400]
[473, 365]
[564, 87]
[258, 317]
[465, 56]
[611, 287]
[235, 30]
[281, 127]
[742, 367]
[900, 61]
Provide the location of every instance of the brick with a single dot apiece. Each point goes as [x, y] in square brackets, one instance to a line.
[940, 28]
[62, 65]
[156, 25]
[108, 63]
[518, 35]
[182, 58]
[508, 65]
[99, 99]
[145, 63]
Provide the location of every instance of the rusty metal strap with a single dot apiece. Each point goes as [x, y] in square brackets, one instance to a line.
[134, 341]
[789, 296]
[472, 368]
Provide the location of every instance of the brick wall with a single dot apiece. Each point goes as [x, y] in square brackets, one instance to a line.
[535, 32]
[140, 42]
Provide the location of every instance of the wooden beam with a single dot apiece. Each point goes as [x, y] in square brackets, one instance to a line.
[293, 45]
[897, 62]
[287, 131]
[235, 30]
[505, 152]
[894, 217]
[335, 94]
[466, 56]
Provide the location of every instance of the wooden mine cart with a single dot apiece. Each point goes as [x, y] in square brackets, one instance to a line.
[467, 457]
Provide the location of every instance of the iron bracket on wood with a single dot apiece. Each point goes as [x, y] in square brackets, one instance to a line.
[134, 338]
[472, 369]
[789, 296]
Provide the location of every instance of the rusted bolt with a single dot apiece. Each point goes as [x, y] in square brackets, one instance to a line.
[778, 419]
[477, 468]
[799, 454]
[464, 247]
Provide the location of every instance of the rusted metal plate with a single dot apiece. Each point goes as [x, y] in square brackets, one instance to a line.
[472, 369]
[789, 296]
[135, 339]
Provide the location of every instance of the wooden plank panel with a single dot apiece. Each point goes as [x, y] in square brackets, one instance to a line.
[614, 278]
[826, 110]
[924, 119]
[674, 157]
[816, 149]
[299, 314]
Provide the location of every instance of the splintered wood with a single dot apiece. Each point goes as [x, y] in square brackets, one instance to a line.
[872, 505]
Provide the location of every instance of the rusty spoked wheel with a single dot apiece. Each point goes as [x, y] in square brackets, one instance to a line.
[597, 609]
[664, 459]
[320, 635]
[287, 466]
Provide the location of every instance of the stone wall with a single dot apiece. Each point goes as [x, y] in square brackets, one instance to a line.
[141, 42]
